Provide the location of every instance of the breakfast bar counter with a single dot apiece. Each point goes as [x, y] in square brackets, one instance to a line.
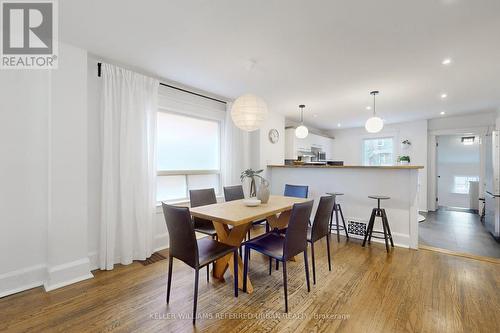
[357, 182]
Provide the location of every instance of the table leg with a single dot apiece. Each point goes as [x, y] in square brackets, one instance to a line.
[234, 237]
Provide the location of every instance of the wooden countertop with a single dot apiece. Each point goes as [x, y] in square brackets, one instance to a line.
[316, 166]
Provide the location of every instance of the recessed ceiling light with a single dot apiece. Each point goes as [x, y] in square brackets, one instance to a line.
[368, 107]
[446, 61]
[442, 113]
[444, 95]
[338, 125]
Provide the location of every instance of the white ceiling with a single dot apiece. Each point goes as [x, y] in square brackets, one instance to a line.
[326, 54]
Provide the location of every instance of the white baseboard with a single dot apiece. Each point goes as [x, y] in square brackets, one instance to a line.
[22, 279]
[68, 273]
[94, 260]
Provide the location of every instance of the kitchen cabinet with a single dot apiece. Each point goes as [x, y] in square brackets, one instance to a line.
[293, 145]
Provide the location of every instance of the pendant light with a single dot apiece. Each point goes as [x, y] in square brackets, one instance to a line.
[374, 124]
[248, 112]
[301, 131]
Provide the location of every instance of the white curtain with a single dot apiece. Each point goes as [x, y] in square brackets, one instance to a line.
[236, 150]
[129, 107]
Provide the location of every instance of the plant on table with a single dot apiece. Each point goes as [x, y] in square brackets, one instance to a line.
[252, 174]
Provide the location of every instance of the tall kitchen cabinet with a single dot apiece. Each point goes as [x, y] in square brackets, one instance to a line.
[293, 144]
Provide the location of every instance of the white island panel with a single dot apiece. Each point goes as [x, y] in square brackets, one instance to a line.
[357, 183]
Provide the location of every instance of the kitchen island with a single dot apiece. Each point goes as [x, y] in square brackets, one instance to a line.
[357, 182]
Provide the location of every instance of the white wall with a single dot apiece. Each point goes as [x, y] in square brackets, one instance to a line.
[347, 147]
[43, 194]
[455, 159]
[23, 174]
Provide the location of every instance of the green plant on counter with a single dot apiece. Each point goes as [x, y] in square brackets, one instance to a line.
[404, 158]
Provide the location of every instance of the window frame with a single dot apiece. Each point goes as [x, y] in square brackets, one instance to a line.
[468, 179]
[393, 152]
[187, 173]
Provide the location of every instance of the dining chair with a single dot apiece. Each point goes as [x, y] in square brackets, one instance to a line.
[297, 191]
[198, 198]
[195, 253]
[235, 192]
[321, 228]
[283, 247]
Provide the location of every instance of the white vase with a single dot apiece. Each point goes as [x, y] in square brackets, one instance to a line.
[263, 192]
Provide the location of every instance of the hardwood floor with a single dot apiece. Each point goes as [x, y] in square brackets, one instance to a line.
[367, 291]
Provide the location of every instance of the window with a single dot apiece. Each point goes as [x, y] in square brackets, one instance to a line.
[378, 151]
[461, 183]
[468, 140]
[188, 153]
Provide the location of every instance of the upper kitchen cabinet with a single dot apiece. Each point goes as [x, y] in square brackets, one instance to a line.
[293, 145]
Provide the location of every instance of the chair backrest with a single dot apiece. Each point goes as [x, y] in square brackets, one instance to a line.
[233, 193]
[321, 225]
[183, 245]
[202, 197]
[297, 191]
[296, 232]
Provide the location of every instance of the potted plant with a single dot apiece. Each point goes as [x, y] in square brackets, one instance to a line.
[251, 174]
[405, 159]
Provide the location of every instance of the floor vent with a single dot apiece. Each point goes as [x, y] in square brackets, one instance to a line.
[356, 227]
[155, 257]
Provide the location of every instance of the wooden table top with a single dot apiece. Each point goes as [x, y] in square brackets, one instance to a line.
[236, 213]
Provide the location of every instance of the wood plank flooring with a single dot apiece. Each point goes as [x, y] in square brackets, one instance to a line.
[367, 291]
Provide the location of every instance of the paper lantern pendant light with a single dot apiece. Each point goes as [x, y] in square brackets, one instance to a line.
[248, 112]
[301, 131]
[374, 124]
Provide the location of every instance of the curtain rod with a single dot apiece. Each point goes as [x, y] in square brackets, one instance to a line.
[170, 86]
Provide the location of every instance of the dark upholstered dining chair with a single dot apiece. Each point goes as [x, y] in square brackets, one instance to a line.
[202, 198]
[320, 229]
[235, 192]
[195, 253]
[283, 247]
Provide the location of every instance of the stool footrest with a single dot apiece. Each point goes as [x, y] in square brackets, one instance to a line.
[380, 232]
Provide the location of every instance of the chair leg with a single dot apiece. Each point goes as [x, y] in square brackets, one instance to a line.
[235, 261]
[267, 226]
[195, 299]
[208, 272]
[343, 222]
[370, 224]
[313, 263]
[337, 221]
[388, 228]
[306, 266]
[328, 252]
[285, 286]
[245, 269]
[169, 279]
[331, 221]
[277, 264]
[270, 265]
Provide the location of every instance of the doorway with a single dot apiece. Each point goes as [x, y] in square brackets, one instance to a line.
[454, 223]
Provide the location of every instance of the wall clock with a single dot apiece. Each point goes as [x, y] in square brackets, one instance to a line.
[274, 135]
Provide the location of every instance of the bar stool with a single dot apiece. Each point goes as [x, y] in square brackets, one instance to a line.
[380, 212]
[336, 210]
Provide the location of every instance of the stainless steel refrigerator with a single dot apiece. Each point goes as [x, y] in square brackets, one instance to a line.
[492, 182]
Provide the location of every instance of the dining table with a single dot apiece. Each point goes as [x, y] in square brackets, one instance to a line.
[240, 217]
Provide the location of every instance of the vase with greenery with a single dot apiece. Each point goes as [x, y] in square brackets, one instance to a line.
[252, 175]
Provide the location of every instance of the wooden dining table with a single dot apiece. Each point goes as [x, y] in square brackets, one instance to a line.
[236, 214]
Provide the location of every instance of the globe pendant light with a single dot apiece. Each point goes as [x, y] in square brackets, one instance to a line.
[301, 131]
[374, 124]
[248, 112]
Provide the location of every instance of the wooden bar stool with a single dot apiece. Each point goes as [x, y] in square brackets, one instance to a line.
[337, 209]
[379, 212]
